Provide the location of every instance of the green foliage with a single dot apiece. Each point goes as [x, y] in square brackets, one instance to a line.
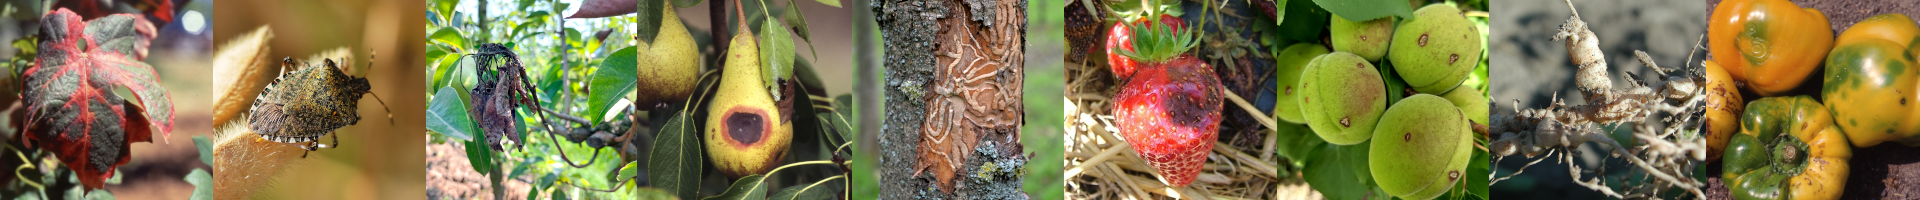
[1363, 10]
[447, 114]
[611, 82]
[676, 159]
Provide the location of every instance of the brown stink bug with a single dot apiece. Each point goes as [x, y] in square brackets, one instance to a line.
[304, 103]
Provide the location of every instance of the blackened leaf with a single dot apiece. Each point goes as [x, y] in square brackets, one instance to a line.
[612, 81]
[71, 107]
[675, 162]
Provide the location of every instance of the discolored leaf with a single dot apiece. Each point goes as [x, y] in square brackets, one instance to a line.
[612, 81]
[71, 107]
[604, 8]
[447, 114]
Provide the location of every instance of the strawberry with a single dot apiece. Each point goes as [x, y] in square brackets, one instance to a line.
[1169, 110]
[1120, 38]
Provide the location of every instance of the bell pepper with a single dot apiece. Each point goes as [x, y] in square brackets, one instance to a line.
[1787, 149]
[1772, 45]
[1870, 81]
[1723, 106]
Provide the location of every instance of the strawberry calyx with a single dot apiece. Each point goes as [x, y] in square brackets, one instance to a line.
[1156, 41]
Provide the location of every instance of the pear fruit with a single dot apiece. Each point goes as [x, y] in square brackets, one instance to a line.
[745, 133]
[670, 67]
[1421, 148]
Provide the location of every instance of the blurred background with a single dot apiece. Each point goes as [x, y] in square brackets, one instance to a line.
[1531, 69]
[375, 160]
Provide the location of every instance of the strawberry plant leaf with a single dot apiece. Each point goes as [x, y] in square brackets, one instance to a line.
[612, 81]
[749, 187]
[71, 107]
[447, 114]
[1363, 10]
[776, 55]
[675, 161]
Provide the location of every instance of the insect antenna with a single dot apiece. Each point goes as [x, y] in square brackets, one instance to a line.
[376, 96]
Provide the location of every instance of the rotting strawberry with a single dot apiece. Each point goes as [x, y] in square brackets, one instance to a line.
[1120, 38]
[1169, 110]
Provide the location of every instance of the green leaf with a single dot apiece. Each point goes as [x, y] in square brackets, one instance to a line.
[612, 81]
[206, 148]
[629, 170]
[776, 54]
[479, 156]
[450, 37]
[1475, 183]
[799, 24]
[650, 17]
[1304, 21]
[686, 3]
[749, 187]
[202, 183]
[834, 3]
[1297, 142]
[1363, 10]
[1340, 172]
[1280, 12]
[800, 192]
[447, 114]
[445, 8]
[675, 161]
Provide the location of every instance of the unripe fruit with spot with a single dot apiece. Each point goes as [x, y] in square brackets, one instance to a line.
[1470, 102]
[1292, 61]
[1435, 50]
[1342, 97]
[670, 67]
[745, 133]
[1369, 38]
[1421, 148]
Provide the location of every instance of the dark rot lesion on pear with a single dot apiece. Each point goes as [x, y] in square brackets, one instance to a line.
[746, 125]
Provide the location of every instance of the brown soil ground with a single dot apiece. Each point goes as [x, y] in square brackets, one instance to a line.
[450, 176]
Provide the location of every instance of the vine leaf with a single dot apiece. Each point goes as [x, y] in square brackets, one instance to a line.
[605, 8]
[612, 81]
[749, 187]
[447, 114]
[676, 161]
[71, 107]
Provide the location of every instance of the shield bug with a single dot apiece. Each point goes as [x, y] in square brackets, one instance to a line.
[304, 103]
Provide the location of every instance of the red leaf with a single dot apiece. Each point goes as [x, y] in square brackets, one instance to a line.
[71, 107]
[605, 8]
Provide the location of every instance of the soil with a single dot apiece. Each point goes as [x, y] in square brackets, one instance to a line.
[450, 176]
